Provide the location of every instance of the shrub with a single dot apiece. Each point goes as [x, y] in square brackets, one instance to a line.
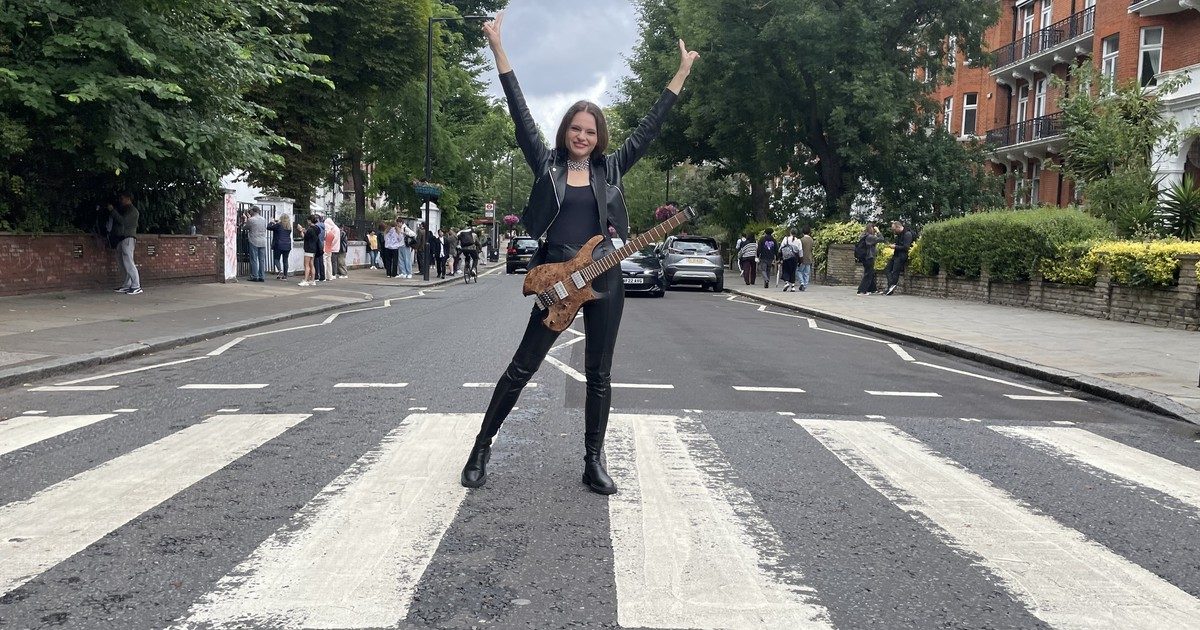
[1181, 209]
[830, 234]
[1136, 264]
[1011, 243]
[883, 255]
[918, 262]
[1070, 265]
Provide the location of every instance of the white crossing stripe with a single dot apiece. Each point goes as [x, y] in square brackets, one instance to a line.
[900, 352]
[130, 410]
[777, 390]
[229, 410]
[322, 408]
[1045, 398]
[370, 385]
[1063, 578]
[33, 412]
[1087, 448]
[65, 518]
[133, 371]
[642, 386]
[566, 369]
[224, 386]
[905, 394]
[690, 549]
[22, 431]
[352, 557]
[73, 388]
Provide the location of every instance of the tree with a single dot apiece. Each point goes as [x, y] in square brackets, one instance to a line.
[826, 93]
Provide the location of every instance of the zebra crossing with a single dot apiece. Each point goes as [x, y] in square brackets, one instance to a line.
[691, 545]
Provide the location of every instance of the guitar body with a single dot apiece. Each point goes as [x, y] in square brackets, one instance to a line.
[545, 276]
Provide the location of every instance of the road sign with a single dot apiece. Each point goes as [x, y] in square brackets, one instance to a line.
[489, 210]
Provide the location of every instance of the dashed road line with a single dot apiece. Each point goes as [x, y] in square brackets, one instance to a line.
[877, 417]
[1065, 423]
[773, 390]
[785, 413]
[224, 386]
[34, 412]
[642, 386]
[323, 408]
[982, 377]
[124, 410]
[900, 352]
[370, 385]
[229, 410]
[1043, 398]
[74, 388]
[490, 385]
[904, 394]
[132, 371]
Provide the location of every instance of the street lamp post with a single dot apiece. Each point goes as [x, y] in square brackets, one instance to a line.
[429, 121]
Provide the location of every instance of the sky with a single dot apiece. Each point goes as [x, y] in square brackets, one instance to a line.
[566, 50]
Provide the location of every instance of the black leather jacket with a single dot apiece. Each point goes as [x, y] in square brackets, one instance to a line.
[550, 166]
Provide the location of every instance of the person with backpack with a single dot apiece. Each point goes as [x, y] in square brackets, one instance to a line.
[408, 241]
[747, 254]
[768, 253]
[899, 261]
[864, 254]
[468, 244]
[790, 251]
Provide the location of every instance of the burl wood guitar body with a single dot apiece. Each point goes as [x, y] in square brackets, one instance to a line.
[561, 314]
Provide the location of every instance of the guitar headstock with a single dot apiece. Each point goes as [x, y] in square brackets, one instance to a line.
[690, 212]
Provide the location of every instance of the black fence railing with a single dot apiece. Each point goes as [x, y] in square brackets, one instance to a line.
[1063, 30]
[1038, 128]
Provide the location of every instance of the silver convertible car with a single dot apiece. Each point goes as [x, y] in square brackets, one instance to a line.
[694, 260]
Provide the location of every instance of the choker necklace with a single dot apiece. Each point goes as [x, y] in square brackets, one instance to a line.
[581, 165]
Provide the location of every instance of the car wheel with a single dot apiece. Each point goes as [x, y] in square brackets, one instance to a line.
[510, 269]
[719, 287]
[666, 284]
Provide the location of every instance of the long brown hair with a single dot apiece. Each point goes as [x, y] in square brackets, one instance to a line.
[560, 140]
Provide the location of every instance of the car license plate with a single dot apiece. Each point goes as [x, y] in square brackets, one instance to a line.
[695, 261]
[632, 280]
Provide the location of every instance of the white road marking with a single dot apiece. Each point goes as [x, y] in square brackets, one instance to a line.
[575, 332]
[776, 390]
[905, 394]
[1065, 423]
[353, 556]
[74, 388]
[34, 412]
[124, 410]
[877, 417]
[124, 372]
[228, 410]
[224, 386]
[566, 369]
[690, 548]
[785, 413]
[66, 518]
[900, 352]
[487, 385]
[982, 377]
[371, 385]
[1063, 578]
[1043, 398]
[969, 419]
[322, 408]
[19, 432]
[418, 408]
[567, 343]
[219, 351]
[642, 386]
[1088, 449]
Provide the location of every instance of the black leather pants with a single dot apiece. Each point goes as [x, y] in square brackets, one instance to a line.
[601, 319]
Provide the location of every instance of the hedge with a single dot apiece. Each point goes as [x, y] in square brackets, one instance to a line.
[1012, 243]
[1130, 263]
[847, 232]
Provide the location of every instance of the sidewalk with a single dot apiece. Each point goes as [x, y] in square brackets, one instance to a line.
[50, 333]
[1143, 366]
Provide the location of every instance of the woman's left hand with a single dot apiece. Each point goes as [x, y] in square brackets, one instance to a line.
[686, 58]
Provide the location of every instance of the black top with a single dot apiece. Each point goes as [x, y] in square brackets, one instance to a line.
[578, 220]
[312, 240]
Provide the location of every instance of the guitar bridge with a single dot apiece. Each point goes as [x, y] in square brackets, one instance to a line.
[577, 278]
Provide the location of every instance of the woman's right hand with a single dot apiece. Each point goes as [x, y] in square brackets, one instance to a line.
[491, 30]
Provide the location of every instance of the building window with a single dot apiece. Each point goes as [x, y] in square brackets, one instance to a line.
[1108, 62]
[1027, 17]
[1035, 177]
[948, 112]
[1047, 13]
[970, 106]
[1150, 60]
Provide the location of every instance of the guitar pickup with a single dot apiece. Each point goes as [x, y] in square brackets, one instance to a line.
[560, 290]
[577, 278]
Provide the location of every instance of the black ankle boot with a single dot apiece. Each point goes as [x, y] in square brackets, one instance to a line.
[474, 474]
[594, 475]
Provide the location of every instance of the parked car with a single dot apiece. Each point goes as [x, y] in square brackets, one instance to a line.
[520, 250]
[694, 260]
[642, 272]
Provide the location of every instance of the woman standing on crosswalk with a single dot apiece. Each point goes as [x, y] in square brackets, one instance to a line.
[577, 187]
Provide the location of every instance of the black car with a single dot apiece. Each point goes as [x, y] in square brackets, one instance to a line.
[642, 272]
[520, 250]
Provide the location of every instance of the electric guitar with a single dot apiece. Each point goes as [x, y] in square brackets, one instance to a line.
[563, 288]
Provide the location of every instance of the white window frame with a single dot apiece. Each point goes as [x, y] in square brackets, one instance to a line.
[974, 109]
[1154, 49]
[1035, 183]
[1110, 51]
[1027, 19]
[1047, 15]
[948, 113]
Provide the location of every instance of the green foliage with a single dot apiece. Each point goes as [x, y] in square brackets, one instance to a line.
[1134, 264]
[846, 232]
[1181, 209]
[934, 176]
[1011, 243]
[1069, 264]
[918, 262]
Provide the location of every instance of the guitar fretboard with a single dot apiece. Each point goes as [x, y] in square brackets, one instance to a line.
[598, 267]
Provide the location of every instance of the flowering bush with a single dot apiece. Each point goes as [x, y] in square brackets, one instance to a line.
[511, 219]
[662, 213]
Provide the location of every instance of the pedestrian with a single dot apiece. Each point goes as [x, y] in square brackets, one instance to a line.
[312, 251]
[339, 256]
[575, 168]
[864, 254]
[433, 248]
[373, 249]
[256, 236]
[734, 259]
[468, 246]
[408, 240]
[747, 256]
[124, 233]
[804, 272]
[333, 238]
[790, 252]
[768, 252]
[451, 240]
[281, 245]
[391, 251]
[319, 260]
[899, 262]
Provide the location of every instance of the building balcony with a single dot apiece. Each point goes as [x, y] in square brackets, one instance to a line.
[1041, 50]
[1035, 137]
[1146, 8]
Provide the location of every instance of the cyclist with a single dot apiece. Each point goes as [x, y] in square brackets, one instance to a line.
[468, 244]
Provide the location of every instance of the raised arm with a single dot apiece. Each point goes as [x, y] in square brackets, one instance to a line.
[638, 142]
[532, 146]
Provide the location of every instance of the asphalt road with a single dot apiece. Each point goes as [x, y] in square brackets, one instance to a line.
[775, 472]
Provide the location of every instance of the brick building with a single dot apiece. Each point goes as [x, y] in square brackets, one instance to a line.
[1013, 106]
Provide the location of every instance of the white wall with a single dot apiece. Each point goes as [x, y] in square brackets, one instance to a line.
[1184, 107]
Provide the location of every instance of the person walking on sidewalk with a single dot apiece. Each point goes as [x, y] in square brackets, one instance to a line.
[747, 255]
[768, 252]
[790, 251]
[319, 259]
[256, 236]
[442, 252]
[451, 241]
[864, 254]
[806, 258]
[408, 240]
[312, 251]
[281, 245]
[899, 262]
[124, 227]
[391, 250]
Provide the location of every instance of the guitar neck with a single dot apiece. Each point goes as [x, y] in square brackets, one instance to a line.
[611, 260]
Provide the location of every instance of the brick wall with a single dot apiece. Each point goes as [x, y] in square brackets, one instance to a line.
[840, 267]
[55, 262]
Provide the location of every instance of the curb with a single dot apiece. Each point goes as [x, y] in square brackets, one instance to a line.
[64, 365]
[1128, 395]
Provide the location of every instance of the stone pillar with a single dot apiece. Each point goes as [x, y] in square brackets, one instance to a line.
[1102, 294]
[1186, 313]
[985, 283]
[942, 288]
[1036, 289]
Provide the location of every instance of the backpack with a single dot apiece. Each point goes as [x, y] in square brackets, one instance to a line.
[345, 244]
[466, 241]
[861, 250]
[789, 251]
[410, 241]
